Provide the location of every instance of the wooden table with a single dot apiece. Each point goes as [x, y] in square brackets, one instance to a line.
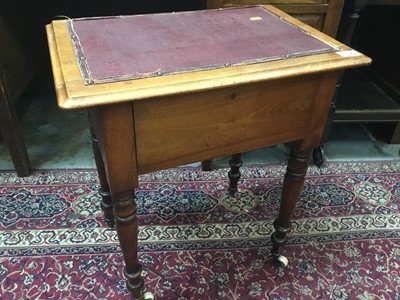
[161, 118]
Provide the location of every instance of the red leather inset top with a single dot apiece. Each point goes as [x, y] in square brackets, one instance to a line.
[127, 47]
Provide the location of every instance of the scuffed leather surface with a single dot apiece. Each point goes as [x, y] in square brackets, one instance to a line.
[127, 47]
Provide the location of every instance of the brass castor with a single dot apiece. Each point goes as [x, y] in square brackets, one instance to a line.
[283, 261]
[148, 296]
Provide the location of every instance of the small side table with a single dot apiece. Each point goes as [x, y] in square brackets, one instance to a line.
[169, 89]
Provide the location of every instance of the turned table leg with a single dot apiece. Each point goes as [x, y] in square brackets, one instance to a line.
[114, 141]
[127, 230]
[104, 191]
[292, 187]
[234, 174]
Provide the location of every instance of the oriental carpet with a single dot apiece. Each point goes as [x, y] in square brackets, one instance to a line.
[198, 243]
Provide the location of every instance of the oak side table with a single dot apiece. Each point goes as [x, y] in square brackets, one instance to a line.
[163, 90]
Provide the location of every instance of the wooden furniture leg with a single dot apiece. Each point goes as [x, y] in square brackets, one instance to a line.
[234, 174]
[104, 191]
[116, 163]
[126, 223]
[12, 134]
[292, 187]
[127, 229]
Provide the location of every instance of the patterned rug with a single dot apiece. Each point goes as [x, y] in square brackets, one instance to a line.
[195, 243]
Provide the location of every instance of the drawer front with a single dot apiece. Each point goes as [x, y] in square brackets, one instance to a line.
[177, 130]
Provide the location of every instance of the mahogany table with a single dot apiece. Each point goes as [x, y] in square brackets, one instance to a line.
[169, 89]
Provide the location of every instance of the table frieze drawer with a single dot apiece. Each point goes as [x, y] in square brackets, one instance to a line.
[223, 119]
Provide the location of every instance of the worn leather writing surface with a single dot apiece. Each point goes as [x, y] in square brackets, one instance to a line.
[127, 47]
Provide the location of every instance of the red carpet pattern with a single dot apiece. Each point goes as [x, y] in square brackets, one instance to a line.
[197, 243]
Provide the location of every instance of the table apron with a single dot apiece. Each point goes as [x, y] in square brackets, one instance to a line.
[172, 131]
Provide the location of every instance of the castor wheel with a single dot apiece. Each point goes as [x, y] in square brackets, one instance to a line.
[148, 296]
[282, 260]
